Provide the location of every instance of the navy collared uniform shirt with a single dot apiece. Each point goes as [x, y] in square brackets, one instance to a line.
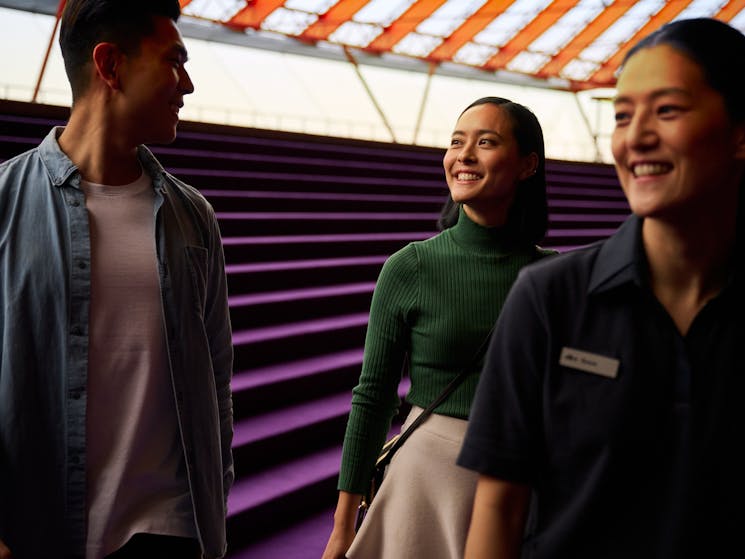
[631, 434]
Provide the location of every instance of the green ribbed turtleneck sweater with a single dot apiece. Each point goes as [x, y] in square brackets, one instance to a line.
[435, 300]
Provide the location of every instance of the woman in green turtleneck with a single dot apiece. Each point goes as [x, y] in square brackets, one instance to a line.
[435, 302]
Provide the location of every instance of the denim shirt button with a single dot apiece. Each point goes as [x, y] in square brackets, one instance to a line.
[75, 459]
[82, 264]
[76, 331]
[74, 203]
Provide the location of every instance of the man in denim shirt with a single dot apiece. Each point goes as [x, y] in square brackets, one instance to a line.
[115, 340]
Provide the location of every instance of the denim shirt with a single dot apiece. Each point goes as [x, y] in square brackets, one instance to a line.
[45, 262]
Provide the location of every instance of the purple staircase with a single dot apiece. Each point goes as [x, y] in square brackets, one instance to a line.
[307, 222]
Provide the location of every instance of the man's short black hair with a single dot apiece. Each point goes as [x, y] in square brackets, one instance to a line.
[85, 23]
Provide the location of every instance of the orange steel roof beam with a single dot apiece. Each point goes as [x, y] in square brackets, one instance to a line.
[253, 14]
[730, 10]
[469, 29]
[529, 33]
[584, 38]
[405, 24]
[605, 75]
[334, 18]
[183, 3]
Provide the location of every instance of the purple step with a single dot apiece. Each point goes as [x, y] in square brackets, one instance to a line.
[248, 493]
[332, 238]
[30, 120]
[250, 268]
[346, 216]
[295, 381]
[284, 161]
[301, 328]
[274, 374]
[259, 488]
[277, 422]
[582, 218]
[580, 166]
[30, 142]
[305, 539]
[272, 343]
[300, 294]
[583, 192]
[564, 176]
[595, 233]
[281, 196]
[434, 184]
[290, 141]
[620, 205]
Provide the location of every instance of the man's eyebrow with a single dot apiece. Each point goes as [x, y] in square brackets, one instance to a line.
[181, 51]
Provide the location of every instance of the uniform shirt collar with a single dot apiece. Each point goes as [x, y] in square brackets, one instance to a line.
[621, 259]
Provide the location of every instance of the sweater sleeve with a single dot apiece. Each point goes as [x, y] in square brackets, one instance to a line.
[375, 398]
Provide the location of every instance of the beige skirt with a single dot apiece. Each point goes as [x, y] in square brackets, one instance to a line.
[423, 507]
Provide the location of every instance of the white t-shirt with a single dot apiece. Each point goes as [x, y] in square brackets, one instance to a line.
[135, 465]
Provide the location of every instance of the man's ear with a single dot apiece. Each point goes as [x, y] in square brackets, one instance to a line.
[106, 60]
[529, 166]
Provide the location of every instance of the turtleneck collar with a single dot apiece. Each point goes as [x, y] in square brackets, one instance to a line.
[471, 236]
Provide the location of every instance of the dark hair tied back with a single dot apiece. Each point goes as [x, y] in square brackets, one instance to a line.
[716, 47]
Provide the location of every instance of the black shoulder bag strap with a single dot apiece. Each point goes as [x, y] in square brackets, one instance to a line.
[449, 389]
[390, 448]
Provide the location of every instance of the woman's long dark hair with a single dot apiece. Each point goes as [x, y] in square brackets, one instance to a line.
[527, 218]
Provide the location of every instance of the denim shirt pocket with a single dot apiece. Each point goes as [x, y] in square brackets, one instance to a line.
[196, 256]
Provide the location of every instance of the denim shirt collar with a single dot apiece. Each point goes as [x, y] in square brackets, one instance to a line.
[153, 168]
[56, 162]
[61, 169]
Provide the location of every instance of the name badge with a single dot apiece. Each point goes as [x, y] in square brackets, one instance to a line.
[589, 362]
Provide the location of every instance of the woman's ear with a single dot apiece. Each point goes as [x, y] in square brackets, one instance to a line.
[529, 166]
[106, 60]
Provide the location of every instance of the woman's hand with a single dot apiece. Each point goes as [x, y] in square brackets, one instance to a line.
[343, 533]
[339, 542]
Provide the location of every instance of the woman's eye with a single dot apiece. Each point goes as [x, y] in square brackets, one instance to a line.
[622, 117]
[668, 110]
[455, 142]
[487, 142]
